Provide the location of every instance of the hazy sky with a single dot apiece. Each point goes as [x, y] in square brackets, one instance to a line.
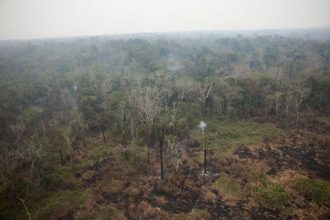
[53, 18]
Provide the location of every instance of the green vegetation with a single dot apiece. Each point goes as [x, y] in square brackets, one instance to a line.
[223, 136]
[99, 152]
[195, 214]
[228, 188]
[101, 119]
[59, 204]
[271, 193]
[318, 190]
[104, 212]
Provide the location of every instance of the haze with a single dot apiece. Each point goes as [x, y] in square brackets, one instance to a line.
[62, 18]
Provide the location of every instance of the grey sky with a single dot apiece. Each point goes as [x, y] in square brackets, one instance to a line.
[21, 19]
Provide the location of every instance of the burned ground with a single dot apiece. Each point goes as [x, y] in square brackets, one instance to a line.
[286, 177]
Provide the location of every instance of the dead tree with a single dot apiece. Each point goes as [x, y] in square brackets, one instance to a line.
[299, 94]
[287, 102]
[161, 136]
[278, 97]
[205, 152]
[204, 90]
[149, 102]
[72, 132]
[123, 120]
[25, 207]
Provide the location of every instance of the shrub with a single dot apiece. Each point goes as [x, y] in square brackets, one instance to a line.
[271, 193]
[318, 190]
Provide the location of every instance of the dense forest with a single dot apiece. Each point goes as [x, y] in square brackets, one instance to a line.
[107, 128]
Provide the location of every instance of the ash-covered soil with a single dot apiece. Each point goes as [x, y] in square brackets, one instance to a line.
[301, 152]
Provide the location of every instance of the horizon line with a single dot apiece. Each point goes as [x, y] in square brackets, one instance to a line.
[167, 32]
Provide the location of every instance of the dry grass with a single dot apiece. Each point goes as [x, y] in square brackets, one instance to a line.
[195, 214]
[230, 190]
[223, 137]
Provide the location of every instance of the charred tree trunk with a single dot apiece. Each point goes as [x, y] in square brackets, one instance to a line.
[123, 129]
[124, 139]
[161, 142]
[205, 152]
[150, 142]
[132, 131]
[297, 110]
[149, 149]
[221, 112]
[43, 127]
[71, 159]
[103, 135]
[148, 154]
[61, 157]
